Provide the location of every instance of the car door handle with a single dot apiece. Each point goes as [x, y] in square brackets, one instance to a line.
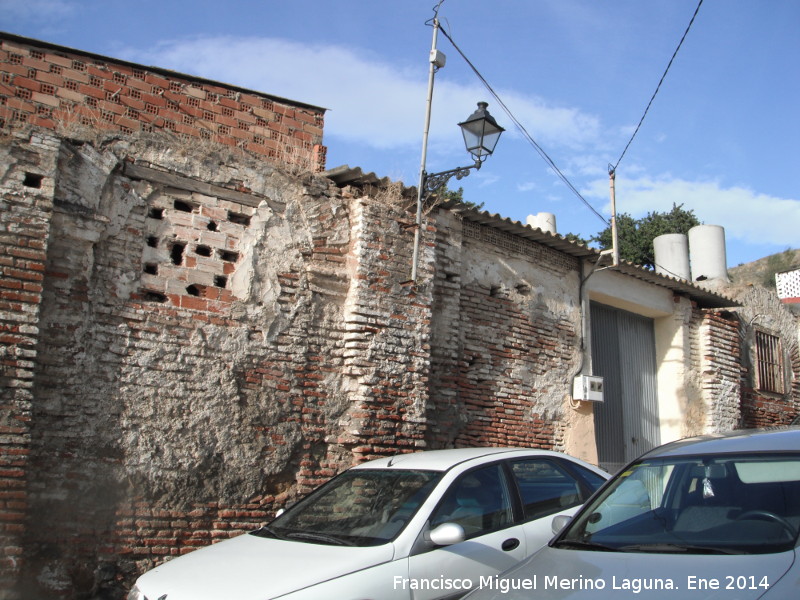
[510, 544]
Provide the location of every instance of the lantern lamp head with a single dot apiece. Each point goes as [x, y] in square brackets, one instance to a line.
[481, 133]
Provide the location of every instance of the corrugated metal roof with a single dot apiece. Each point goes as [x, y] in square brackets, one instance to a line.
[552, 240]
[706, 298]
[345, 175]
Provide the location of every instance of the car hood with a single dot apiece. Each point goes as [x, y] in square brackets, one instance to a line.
[583, 575]
[249, 567]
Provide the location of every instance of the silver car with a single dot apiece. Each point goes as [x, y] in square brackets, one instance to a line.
[714, 517]
[418, 526]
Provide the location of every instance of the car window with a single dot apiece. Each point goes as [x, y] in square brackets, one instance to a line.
[640, 492]
[479, 501]
[361, 507]
[724, 504]
[546, 488]
[590, 478]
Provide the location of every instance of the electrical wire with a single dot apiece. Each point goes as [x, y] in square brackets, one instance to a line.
[613, 169]
[524, 131]
[435, 13]
[541, 151]
[658, 87]
[536, 146]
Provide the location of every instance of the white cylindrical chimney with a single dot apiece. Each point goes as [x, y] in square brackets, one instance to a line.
[672, 255]
[708, 256]
[544, 220]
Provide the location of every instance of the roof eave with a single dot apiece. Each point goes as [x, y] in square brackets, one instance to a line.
[704, 297]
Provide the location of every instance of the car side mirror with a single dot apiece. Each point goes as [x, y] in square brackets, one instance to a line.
[559, 522]
[447, 534]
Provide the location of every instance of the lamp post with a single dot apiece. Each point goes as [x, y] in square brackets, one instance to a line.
[481, 133]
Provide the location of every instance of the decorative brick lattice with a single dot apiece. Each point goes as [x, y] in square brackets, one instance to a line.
[519, 245]
[86, 85]
[788, 284]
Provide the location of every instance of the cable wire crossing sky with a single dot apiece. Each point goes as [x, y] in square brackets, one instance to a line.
[719, 137]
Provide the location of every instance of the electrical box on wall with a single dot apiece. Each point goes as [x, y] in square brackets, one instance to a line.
[588, 388]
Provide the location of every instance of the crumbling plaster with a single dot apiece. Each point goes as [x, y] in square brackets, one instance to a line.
[505, 339]
[174, 398]
[763, 311]
[153, 385]
[538, 293]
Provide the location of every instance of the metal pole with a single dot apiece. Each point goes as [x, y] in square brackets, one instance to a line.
[421, 186]
[612, 175]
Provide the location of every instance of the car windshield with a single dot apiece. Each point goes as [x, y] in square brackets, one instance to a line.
[361, 507]
[723, 504]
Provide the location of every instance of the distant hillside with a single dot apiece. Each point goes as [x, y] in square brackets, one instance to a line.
[761, 272]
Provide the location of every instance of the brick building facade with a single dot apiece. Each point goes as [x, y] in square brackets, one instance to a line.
[69, 90]
[191, 336]
[770, 375]
[180, 357]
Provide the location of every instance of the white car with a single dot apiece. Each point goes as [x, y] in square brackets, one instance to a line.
[414, 526]
[707, 518]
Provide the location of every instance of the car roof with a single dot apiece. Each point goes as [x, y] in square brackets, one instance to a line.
[745, 440]
[443, 460]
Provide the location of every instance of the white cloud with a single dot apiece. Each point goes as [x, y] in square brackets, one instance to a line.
[746, 215]
[551, 125]
[371, 101]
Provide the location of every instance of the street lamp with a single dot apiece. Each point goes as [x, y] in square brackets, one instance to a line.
[481, 133]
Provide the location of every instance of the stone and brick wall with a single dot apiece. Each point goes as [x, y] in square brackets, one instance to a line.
[209, 343]
[193, 337]
[506, 338]
[718, 366]
[764, 312]
[68, 90]
[26, 206]
[214, 337]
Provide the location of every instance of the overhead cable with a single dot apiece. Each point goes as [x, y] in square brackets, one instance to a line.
[524, 132]
[658, 87]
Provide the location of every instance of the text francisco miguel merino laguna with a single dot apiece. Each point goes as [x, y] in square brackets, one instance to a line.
[504, 585]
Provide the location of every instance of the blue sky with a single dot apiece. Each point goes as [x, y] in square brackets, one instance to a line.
[721, 137]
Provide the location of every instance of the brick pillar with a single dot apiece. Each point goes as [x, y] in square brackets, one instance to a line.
[25, 207]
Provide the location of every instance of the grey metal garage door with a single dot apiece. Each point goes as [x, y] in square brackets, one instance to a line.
[623, 352]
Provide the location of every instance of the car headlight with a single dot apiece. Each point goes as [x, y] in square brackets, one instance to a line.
[135, 594]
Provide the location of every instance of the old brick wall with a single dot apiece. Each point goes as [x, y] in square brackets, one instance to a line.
[763, 311]
[192, 337]
[71, 91]
[716, 372]
[214, 337]
[506, 338]
[26, 205]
